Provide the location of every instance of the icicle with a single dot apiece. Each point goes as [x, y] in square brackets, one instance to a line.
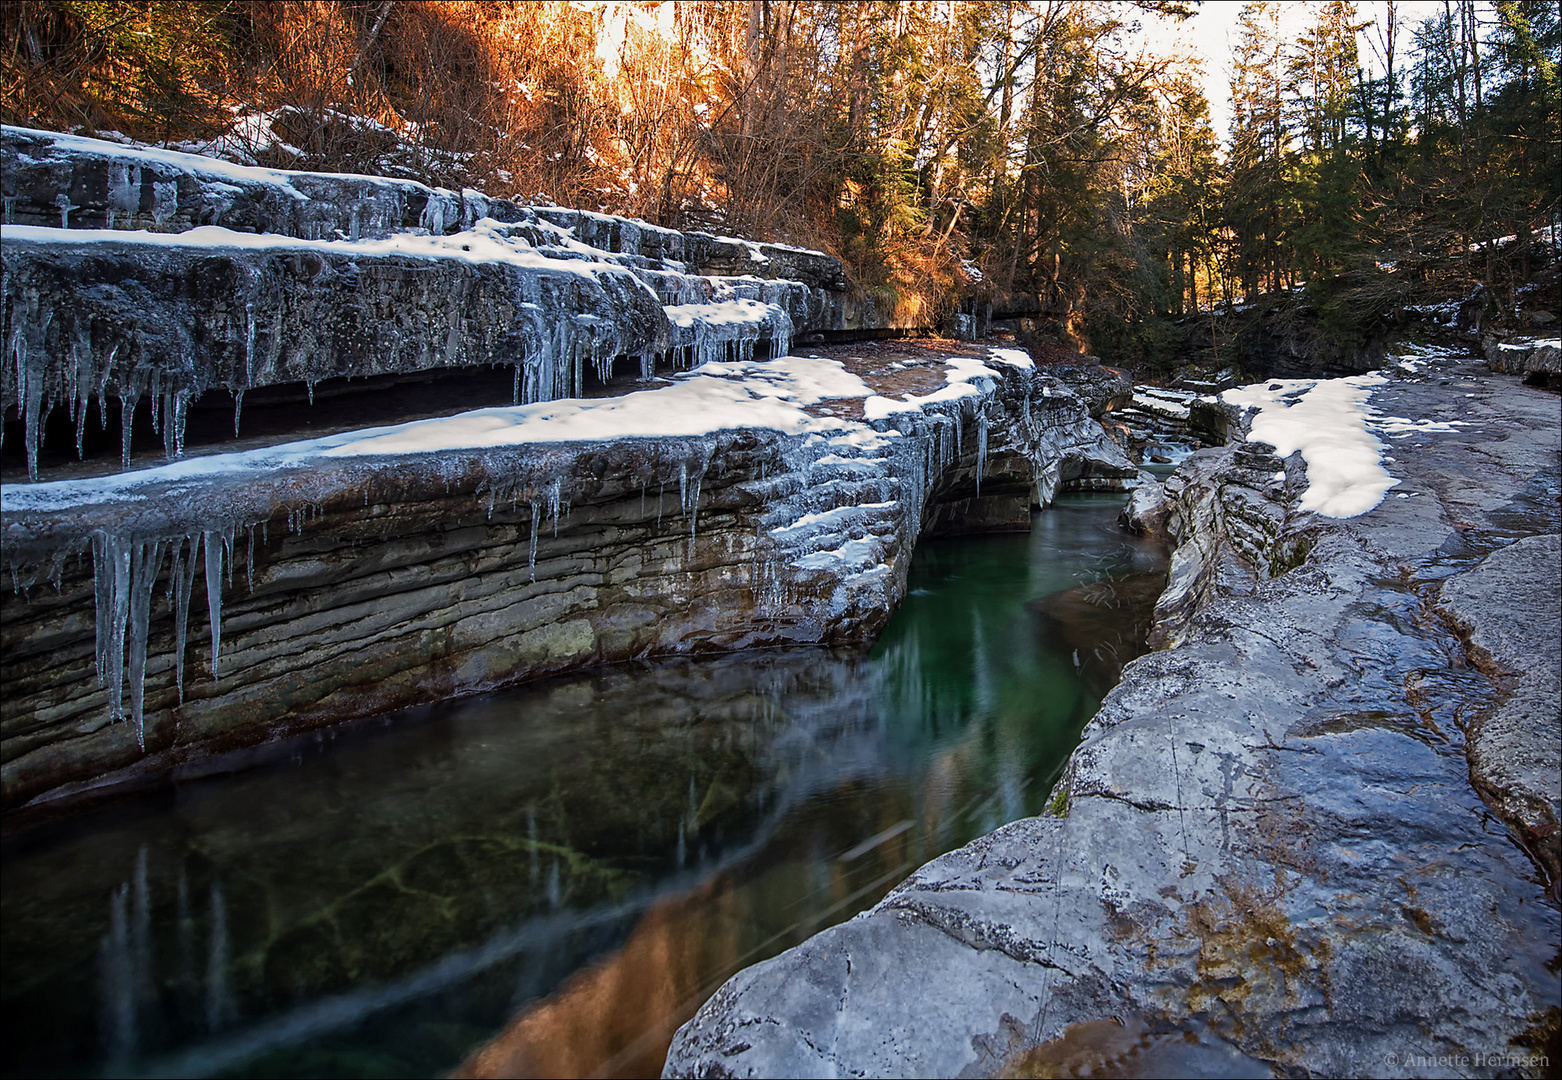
[310, 383]
[515, 393]
[111, 584]
[146, 560]
[63, 201]
[31, 370]
[108, 366]
[249, 347]
[155, 393]
[83, 389]
[238, 407]
[694, 504]
[981, 447]
[181, 584]
[127, 416]
[531, 554]
[555, 495]
[214, 544]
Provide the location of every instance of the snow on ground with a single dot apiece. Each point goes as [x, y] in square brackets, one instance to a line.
[962, 380]
[729, 312]
[1530, 343]
[1327, 420]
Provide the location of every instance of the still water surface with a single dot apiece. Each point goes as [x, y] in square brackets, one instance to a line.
[548, 880]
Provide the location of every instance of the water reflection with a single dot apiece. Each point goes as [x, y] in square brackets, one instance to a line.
[585, 859]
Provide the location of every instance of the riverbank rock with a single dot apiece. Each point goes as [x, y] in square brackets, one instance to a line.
[1266, 850]
[1538, 361]
[1505, 604]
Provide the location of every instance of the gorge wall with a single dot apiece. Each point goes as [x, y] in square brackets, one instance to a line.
[745, 503]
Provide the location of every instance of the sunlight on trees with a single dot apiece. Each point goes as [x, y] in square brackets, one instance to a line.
[1027, 154]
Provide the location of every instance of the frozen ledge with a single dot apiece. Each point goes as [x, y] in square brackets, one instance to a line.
[355, 574]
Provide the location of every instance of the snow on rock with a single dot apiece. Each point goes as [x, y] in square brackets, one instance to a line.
[1328, 421]
[257, 276]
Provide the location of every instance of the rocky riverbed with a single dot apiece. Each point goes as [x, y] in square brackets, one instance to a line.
[1314, 834]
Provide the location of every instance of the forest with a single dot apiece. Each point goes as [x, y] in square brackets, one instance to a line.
[1028, 155]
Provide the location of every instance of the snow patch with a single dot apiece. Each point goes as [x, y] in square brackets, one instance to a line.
[1327, 420]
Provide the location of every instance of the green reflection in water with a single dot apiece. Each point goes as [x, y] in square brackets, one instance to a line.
[574, 864]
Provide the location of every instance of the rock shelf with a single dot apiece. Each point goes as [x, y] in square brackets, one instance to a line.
[1269, 854]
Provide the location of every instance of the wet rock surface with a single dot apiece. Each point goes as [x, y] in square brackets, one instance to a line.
[1268, 842]
[1508, 602]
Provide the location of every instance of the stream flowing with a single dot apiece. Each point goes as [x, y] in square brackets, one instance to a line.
[550, 879]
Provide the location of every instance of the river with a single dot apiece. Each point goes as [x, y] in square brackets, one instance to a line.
[548, 880]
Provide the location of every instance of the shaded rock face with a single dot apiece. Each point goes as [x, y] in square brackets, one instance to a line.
[1273, 338]
[1102, 388]
[1267, 845]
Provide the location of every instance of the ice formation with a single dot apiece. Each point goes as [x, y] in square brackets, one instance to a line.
[572, 276]
[847, 503]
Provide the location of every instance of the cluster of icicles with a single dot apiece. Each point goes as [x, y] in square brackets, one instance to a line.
[553, 367]
[125, 573]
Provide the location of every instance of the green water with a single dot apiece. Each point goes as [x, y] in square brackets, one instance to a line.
[548, 880]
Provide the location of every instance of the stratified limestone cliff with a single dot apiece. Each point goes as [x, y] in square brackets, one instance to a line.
[1266, 857]
[748, 504]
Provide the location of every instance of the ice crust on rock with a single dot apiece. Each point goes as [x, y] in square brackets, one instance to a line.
[842, 512]
[567, 282]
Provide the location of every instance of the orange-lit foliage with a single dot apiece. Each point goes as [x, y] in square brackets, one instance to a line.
[699, 114]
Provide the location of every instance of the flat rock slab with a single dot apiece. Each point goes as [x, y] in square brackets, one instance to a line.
[1267, 845]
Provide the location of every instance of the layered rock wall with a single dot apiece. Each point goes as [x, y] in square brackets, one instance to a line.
[131, 273]
[334, 587]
